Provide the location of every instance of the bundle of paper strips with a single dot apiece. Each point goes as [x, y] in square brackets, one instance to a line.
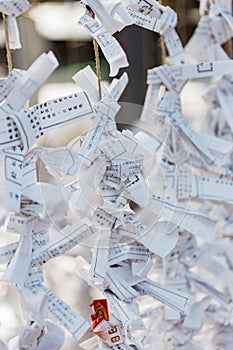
[148, 211]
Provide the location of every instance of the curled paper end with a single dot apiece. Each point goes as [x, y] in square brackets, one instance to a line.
[117, 65]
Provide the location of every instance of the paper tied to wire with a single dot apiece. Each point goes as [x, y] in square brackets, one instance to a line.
[213, 30]
[112, 14]
[114, 17]
[13, 9]
[110, 47]
[151, 207]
